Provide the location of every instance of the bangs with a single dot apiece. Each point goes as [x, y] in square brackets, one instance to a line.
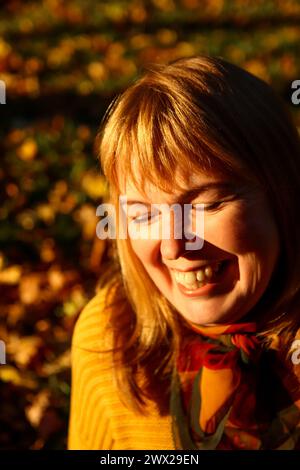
[152, 133]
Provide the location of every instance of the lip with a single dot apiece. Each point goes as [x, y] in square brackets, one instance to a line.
[201, 266]
[210, 287]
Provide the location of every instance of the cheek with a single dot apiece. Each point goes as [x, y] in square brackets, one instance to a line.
[242, 230]
[148, 253]
[145, 250]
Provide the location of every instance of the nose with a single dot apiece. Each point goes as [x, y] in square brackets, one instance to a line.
[171, 247]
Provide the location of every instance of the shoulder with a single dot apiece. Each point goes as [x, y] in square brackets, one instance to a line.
[92, 377]
[92, 328]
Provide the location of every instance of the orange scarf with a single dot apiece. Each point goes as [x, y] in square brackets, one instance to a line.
[225, 393]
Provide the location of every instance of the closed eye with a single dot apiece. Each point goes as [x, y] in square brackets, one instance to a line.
[213, 206]
[149, 216]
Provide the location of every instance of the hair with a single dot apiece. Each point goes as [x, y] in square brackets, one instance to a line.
[195, 114]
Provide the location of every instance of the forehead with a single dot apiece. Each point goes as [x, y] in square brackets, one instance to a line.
[183, 183]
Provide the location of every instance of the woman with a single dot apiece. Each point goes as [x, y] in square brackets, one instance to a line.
[200, 342]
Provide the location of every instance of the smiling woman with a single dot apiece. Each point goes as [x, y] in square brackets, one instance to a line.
[241, 240]
[183, 348]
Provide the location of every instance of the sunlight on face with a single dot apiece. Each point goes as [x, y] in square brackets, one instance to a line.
[232, 270]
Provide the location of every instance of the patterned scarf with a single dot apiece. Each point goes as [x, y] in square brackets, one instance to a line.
[228, 392]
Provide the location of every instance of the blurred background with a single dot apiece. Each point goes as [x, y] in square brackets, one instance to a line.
[63, 62]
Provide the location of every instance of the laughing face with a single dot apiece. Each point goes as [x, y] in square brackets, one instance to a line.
[224, 280]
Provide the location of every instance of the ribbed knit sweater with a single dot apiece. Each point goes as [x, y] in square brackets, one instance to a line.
[99, 420]
[98, 417]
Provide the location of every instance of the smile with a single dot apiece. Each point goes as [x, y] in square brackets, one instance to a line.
[193, 280]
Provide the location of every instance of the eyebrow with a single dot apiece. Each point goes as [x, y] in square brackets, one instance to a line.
[191, 193]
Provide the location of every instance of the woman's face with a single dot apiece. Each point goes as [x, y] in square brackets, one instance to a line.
[223, 280]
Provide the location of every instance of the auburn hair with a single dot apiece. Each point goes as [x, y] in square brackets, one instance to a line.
[194, 114]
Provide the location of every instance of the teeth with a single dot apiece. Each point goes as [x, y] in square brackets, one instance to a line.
[189, 278]
[208, 272]
[196, 279]
[201, 275]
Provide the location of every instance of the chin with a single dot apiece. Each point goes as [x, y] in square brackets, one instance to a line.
[207, 317]
[201, 318]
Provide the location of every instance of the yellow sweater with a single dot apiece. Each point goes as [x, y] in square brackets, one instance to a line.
[98, 418]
